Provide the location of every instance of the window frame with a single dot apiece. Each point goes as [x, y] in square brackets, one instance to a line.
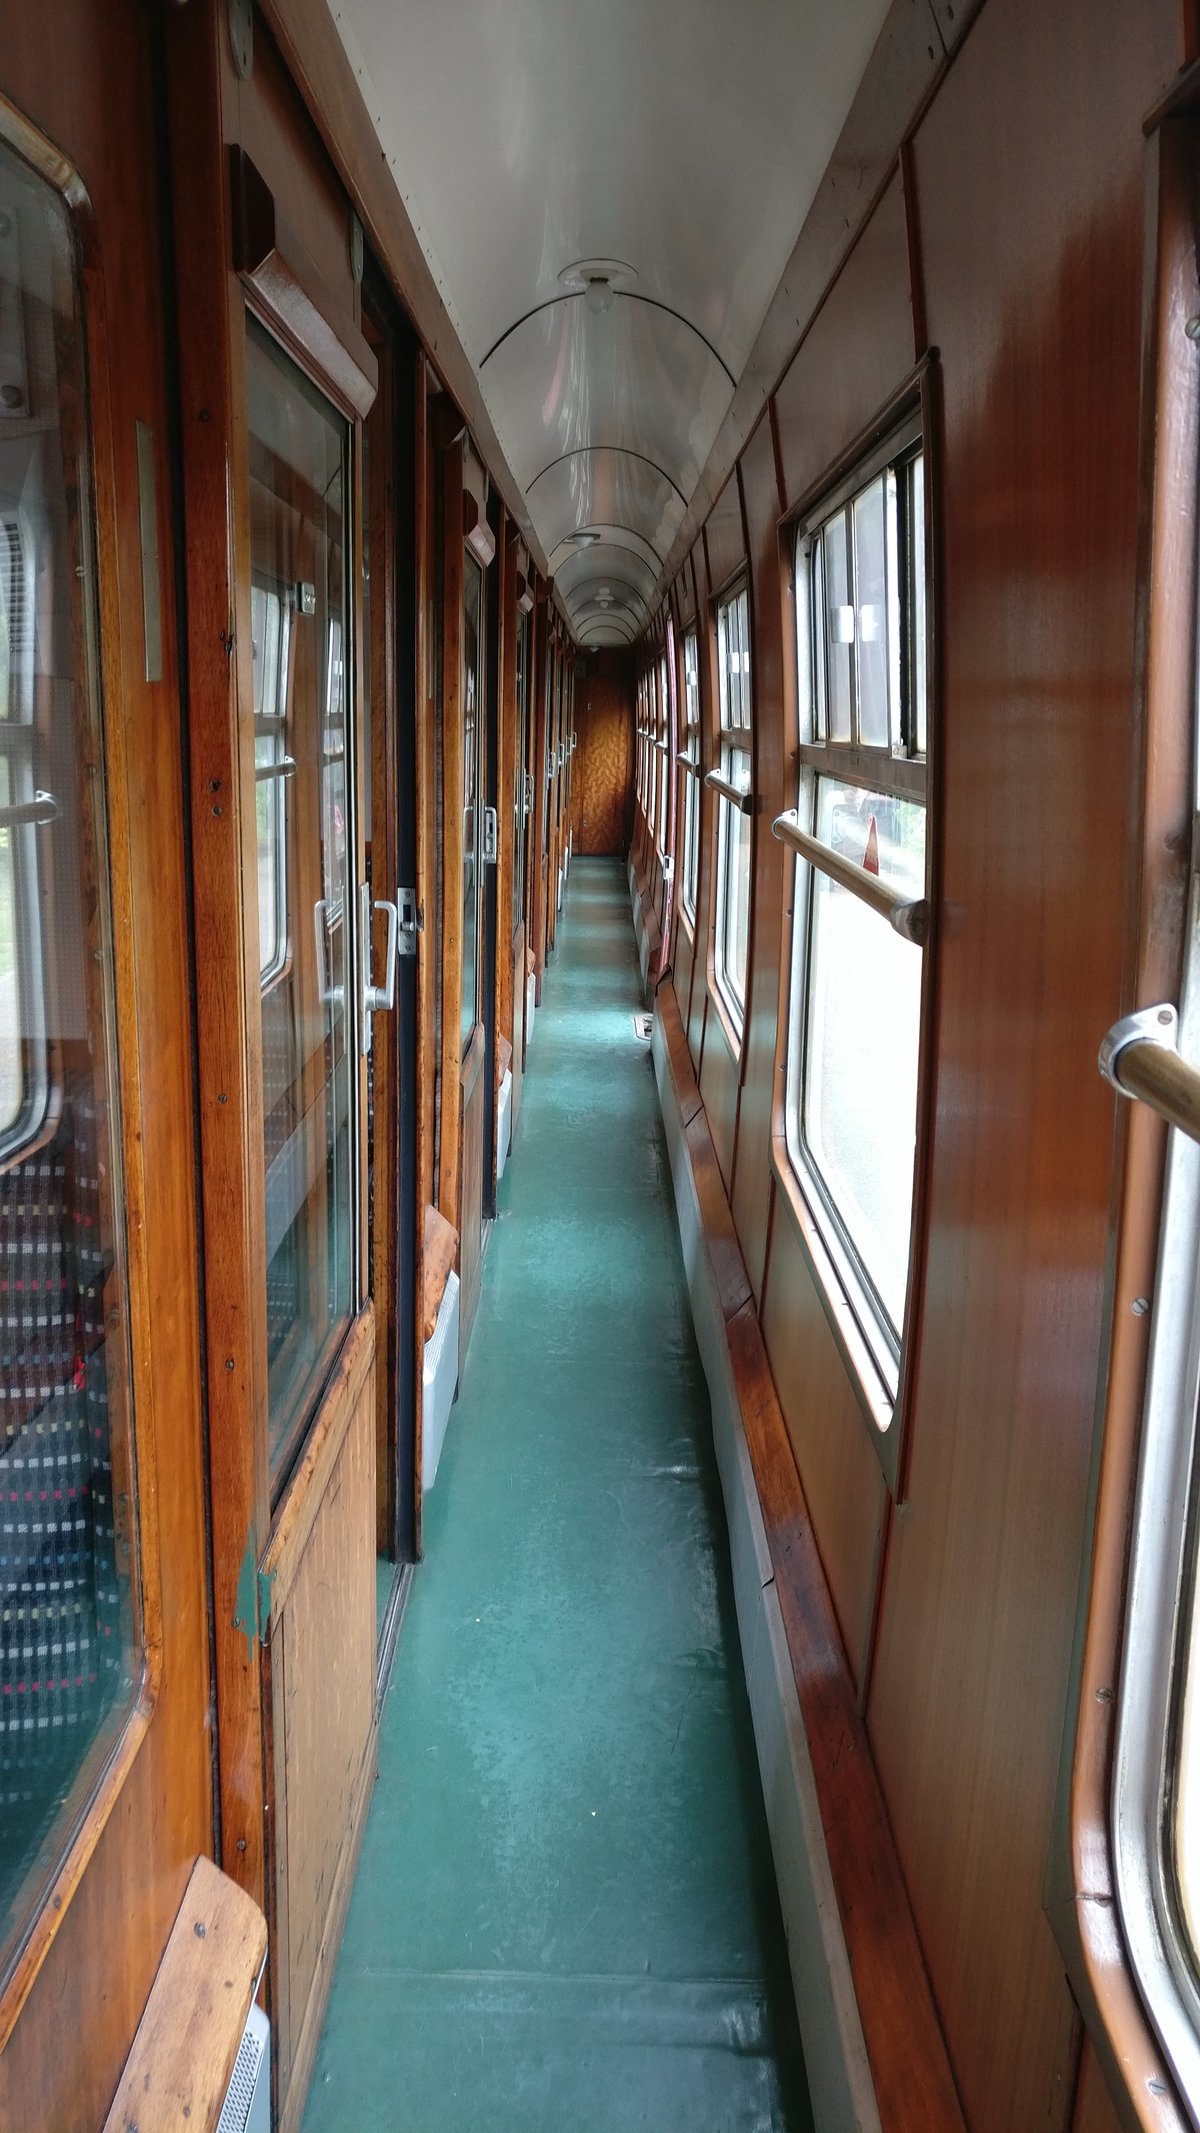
[876, 1352]
[731, 739]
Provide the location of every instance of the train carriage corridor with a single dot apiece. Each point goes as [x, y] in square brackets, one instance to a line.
[565, 1913]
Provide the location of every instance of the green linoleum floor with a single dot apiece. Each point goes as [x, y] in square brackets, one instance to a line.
[565, 1918]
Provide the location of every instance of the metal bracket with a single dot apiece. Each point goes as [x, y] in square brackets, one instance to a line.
[1150, 1025]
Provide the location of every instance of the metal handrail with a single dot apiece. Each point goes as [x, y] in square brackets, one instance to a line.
[41, 811]
[1140, 1058]
[906, 915]
[743, 801]
[283, 767]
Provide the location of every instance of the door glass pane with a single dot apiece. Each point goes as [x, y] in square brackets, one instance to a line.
[298, 457]
[68, 1534]
[472, 699]
[862, 1030]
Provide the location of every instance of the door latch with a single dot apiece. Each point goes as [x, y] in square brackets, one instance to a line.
[491, 837]
[411, 921]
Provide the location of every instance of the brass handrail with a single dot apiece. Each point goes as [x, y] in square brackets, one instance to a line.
[907, 916]
[743, 801]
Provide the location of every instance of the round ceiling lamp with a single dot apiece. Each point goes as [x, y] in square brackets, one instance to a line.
[599, 280]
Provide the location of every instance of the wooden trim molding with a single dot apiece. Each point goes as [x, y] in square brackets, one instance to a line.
[289, 295]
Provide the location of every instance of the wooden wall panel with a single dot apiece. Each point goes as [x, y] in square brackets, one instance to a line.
[1095, 2111]
[603, 773]
[772, 786]
[859, 348]
[839, 1472]
[719, 1088]
[322, 1691]
[1038, 324]
[725, 536]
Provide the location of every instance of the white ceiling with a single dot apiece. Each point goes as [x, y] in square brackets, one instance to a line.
[685, 138]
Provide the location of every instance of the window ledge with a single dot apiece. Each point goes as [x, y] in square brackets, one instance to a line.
[728, 1028]
[876, 1396]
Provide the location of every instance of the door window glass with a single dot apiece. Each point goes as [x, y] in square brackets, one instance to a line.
[298, 490]
[68, 1568]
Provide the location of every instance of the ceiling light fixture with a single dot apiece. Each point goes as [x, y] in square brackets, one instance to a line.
[598, 281]
[598, 294]
[585, 537]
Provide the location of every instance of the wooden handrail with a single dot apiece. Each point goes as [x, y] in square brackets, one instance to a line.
[743, 801]
[907, 916]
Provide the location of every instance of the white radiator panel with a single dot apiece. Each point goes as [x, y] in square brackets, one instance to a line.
[504, 1122]
[439, 1381]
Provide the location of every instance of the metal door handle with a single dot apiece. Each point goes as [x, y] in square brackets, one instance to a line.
[491, 837]
[377, 999]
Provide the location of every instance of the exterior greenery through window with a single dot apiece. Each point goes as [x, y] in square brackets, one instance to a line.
[733, 826]
[854, 1034]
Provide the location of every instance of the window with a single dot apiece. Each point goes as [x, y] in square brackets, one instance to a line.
[270, 616]
[70, 1647]
[519, 787]
[854, 1035]
[299, 448]
[691, 776]
[732, 903]
[472, 842]
[664, 758]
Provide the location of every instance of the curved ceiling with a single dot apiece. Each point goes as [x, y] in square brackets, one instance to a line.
[686, 139]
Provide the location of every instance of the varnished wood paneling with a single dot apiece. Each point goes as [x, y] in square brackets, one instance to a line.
[1095, 2111]
[1038, 323]
[320, 1575]
[858, 349]
[719, 1087]
[604, 761]
[840, 1474]
[725, 536]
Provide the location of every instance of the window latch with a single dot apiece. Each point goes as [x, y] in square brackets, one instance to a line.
[491, 837]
